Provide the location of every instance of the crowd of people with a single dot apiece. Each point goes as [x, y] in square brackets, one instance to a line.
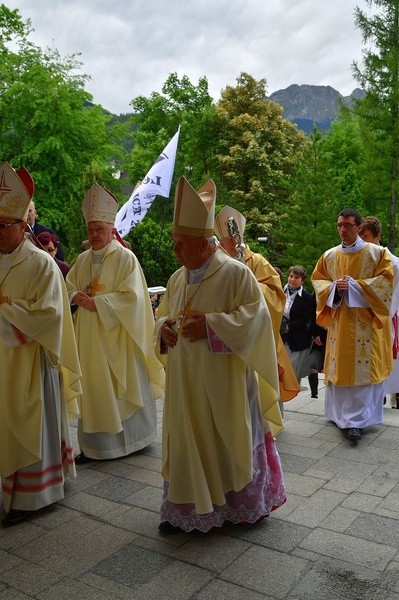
[227, 345]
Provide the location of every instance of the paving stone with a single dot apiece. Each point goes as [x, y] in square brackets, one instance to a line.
[361, 453]
[115, 488]
[377, 485]
[300, 451]
[376, 529]
[86, 477]
[89, 504]
[362, 502]
[144, 461]
[349, 549]
[8, 561]
[266, 571]
[222, 589]
[339, 519]
[337, 529]
[138, 520]
[214, 552]
[304, 429]
[389, 470]
[148, 497]
[11, 594]
[346, 482]
[300, 440]
[295, 464]
[29, 576]
[70, 589]
[123, 469]
[334, 580]
[315, 509]
[390, 502]
[301, 484]
[156, 577]
[12, 538]
[277, 534]
[131, 565]
[390, 577]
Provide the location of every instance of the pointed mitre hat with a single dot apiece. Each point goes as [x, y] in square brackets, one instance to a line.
[16, 191]
[221, 221]
[194, 211]
[99, 205]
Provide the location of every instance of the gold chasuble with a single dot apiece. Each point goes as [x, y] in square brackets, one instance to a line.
[359, 343]
[270, 284]
[115, 340]
[209, 454]
[35, 309]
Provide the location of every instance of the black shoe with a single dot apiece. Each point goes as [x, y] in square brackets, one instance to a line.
[15, 517]
[354, 434]
[82, 459]
[314, 396]
[166, 528]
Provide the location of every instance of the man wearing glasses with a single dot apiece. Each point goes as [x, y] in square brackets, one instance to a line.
[353, 284]
[36, 344]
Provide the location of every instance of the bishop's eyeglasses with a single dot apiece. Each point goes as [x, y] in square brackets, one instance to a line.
[5, 225]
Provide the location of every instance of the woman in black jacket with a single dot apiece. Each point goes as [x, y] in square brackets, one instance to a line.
[299, 313]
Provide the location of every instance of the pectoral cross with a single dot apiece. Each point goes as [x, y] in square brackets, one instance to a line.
[184, 316]
[94, 286]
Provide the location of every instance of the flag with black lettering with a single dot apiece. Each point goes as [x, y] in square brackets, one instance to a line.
[157, 182]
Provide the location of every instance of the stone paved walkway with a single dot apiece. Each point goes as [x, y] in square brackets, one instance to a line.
[336, 538]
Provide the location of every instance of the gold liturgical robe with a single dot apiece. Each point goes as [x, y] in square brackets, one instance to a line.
[37, 306]
[270, 284]
[207, 439]
[359, 343]
[116, 340]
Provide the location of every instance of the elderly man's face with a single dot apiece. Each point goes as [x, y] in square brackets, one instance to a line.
[11, 234]
[32, 214]
[100, 234]
[191, 252]
[229, 244]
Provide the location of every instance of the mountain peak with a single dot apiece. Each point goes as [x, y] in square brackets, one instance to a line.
[309, 105]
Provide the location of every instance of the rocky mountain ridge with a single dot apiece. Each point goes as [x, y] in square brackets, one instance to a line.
[312, 105]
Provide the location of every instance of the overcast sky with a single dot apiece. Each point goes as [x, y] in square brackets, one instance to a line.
[129, 47]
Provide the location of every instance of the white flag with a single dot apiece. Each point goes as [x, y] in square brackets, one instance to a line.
[157, 182]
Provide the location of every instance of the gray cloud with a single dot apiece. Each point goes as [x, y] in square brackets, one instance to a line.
[129, 47]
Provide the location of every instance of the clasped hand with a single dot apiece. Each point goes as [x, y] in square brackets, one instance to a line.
[343, 283]
[193, 330]
[85, 301]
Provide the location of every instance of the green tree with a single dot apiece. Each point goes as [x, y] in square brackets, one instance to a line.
[257, 156]
[329, 178]
[48, 125]
[379, 110]
[156, 119]
[153, 123]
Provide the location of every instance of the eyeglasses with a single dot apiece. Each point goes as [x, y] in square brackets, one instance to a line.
[5, 225]
[345, 225]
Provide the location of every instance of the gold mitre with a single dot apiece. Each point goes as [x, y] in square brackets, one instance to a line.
[16, 191]
[99, 205]
[194, 211]
[221, 221]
